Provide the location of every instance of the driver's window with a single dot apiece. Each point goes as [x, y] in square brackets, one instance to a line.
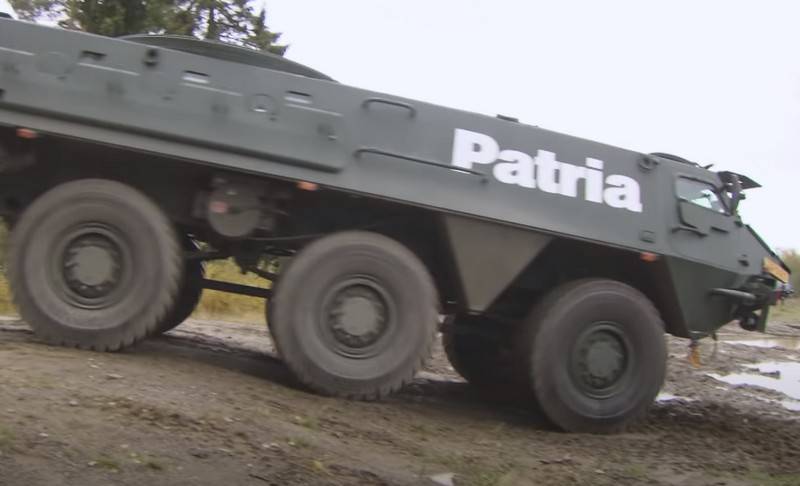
[701, 194]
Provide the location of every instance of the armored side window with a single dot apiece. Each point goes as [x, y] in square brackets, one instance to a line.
[701, 194]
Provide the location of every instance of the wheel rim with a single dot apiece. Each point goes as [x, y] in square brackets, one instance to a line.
[91, 266]
[601, 360]
[357, 315]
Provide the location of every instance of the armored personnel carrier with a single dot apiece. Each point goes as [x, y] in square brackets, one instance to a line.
[550, 264]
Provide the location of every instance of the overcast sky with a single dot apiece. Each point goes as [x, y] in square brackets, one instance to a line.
[4, 6]
[716, 81]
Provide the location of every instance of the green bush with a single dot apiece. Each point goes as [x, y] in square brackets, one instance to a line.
[792, 259]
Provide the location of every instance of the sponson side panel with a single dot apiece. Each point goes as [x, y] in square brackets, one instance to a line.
[489, 256]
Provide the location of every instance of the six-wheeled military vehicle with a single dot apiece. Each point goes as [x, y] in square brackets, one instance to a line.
[549, 264]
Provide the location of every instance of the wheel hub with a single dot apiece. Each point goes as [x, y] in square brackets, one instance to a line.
[601, 360]
[357, 316]
[92, 267]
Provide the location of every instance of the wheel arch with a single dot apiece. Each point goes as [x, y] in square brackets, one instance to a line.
[566, 260]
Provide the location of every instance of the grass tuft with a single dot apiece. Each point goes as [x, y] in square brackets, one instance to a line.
[109, 463]
[6, 439]
[788, 310]
[154, 465]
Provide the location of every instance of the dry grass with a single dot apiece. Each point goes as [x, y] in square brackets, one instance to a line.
[788, 310]
[6, 305]
[231, 307]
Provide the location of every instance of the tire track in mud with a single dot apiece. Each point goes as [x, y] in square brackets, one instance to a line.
[222, 386]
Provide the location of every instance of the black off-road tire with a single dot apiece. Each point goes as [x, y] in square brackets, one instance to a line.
[310, 325]
[189, 293]
[143, 254]
[487, 362]
[595, 354]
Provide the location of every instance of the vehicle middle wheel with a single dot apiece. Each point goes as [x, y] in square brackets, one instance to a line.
[354, 315]
[484, 355]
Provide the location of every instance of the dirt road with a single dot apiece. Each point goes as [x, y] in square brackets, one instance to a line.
[209, 404]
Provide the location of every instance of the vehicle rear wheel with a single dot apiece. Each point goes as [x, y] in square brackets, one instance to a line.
[595, 355]
[354, 315]
[487, 361]
[191, 289]
[94, 264]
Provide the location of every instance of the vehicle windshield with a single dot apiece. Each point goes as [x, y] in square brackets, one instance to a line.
[701, 194]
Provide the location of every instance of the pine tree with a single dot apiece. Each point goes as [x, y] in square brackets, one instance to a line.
[107, 17]
[231, 21]
[38, 9]
[262, 38]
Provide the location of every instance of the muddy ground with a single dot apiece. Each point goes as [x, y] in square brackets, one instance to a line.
[209, 404]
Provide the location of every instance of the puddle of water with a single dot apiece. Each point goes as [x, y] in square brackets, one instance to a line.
[792, 405]
[786, 382]
[790, 343]
[669, 397]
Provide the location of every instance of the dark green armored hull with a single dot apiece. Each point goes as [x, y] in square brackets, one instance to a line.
[232, 113]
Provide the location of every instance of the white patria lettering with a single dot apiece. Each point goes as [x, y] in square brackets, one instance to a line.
[515, 168]
[546, 173]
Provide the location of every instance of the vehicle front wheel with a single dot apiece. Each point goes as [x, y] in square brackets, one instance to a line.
[354, 314]
[595, 355]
